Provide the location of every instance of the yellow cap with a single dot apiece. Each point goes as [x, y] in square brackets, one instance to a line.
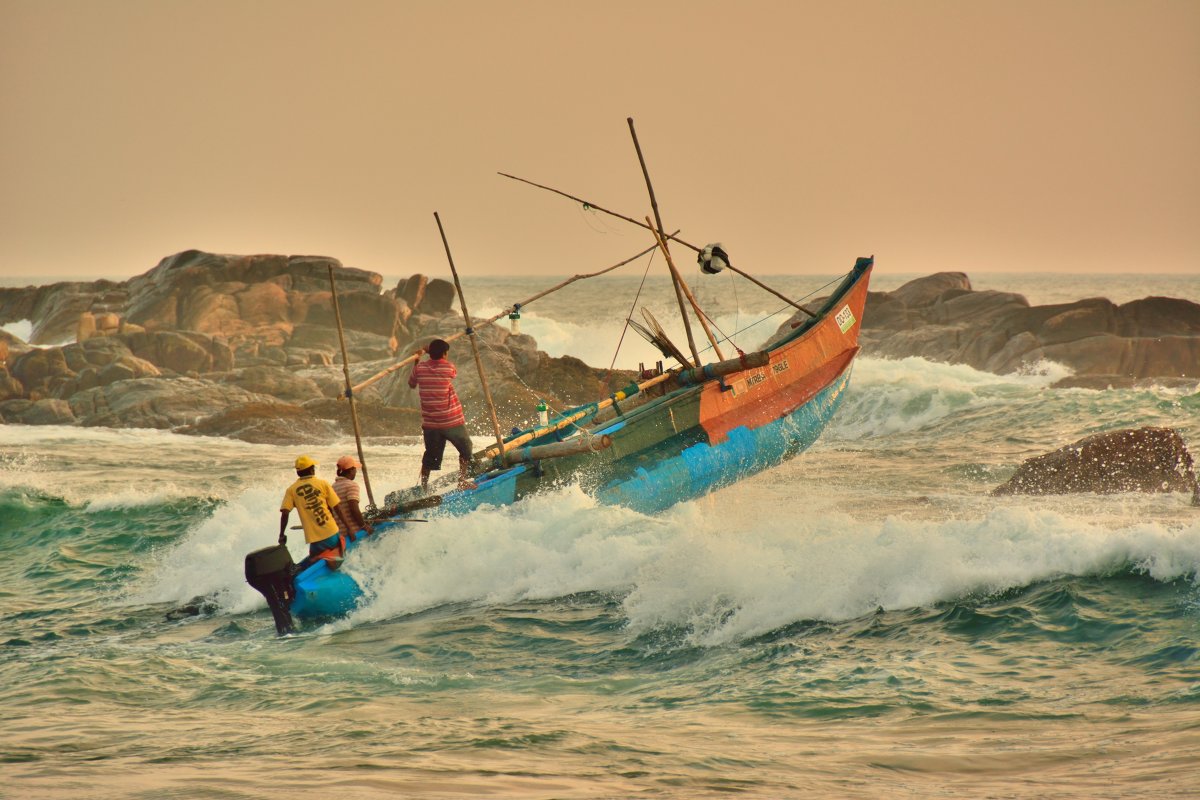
[304, 462]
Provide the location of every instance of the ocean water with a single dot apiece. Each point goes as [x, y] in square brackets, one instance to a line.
[864, 621]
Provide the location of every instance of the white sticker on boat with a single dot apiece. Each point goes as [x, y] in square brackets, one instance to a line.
[845, 319]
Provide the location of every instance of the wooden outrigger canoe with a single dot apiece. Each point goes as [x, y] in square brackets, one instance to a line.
[674, 436]
[690, 432]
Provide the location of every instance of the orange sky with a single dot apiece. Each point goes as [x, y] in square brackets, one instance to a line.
[1044, 136]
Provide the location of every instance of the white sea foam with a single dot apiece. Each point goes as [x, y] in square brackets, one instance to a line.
[908, 394]
[22, 329]
[698, 567]
[549, 546]
[836, 568]
[103, 468]
[208, 561]
[146, 495]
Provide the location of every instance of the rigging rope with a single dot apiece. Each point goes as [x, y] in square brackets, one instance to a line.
[785, 308]
[589, 216]
[611, 366]
[625, 329]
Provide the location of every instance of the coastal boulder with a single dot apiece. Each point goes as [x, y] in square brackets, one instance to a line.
[124, 368]
[55, 309]
[929, 289]
[374, 419]
[157, 403]
[1130, 460]
[360, 346]
[94, 352]
[10, 387]
[440, 297]
[264, 423]
[412, 291]
[941, 318]
[48, 411]
[277, 382]
[199, 290]
[40, 371]
[378, 314]
[181, 352]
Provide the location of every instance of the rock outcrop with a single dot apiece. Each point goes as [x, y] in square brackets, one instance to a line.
[264, 423]
[247, 346]
[941, 318]
[1131, 460]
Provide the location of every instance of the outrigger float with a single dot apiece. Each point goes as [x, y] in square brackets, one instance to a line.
[674, 435]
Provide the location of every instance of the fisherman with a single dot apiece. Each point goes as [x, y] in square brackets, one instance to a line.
[442, 418]
[321, 513]
[347, 491]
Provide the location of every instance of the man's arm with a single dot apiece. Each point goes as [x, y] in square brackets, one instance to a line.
[412, 375]
[283, 519]
[356, 517]
[342, 515]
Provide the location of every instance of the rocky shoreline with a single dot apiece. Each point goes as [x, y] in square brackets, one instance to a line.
[1155, 340]
[246, 347]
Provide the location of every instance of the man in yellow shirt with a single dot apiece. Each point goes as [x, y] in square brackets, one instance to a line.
[319, 510]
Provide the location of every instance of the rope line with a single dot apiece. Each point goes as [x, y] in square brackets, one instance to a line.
[784, 308]
[625, 328]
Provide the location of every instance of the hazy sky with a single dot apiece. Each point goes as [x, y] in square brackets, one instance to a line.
[1041, 135]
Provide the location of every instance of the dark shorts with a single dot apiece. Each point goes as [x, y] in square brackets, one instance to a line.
[435, 445]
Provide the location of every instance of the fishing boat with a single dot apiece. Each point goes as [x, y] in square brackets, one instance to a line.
[673, 435]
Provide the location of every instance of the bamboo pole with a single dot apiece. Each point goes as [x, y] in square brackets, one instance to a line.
[572, 447]
[687, 325]
[492, 450]
[431, 501]
[700, 315]
[673, 237]
[462, 301]
[410, 359]
[337, 315]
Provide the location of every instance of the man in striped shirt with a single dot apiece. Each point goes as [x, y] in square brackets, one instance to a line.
[347, 491]
[442, 418]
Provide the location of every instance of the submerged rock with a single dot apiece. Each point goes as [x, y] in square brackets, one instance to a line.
[1130, 460]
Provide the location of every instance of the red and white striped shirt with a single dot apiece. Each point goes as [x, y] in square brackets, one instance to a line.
[440, 408]
[345, 489]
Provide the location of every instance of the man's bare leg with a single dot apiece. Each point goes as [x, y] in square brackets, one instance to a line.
[464, 474]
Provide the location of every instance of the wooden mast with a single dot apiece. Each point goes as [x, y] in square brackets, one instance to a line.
[687, 325]
[337, 315]
[462, 301]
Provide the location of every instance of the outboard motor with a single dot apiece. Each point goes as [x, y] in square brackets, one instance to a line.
[712, 259]
[270, 572]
